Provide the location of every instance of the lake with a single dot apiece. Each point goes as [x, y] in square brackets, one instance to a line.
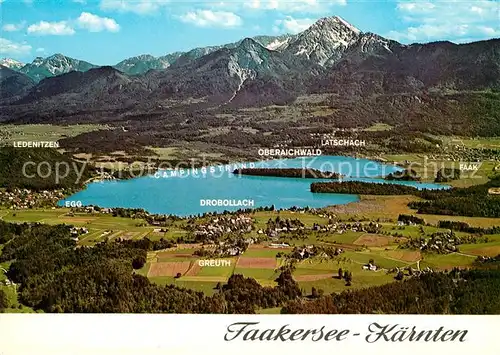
[180, 192]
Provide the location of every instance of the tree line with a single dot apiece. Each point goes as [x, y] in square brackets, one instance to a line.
[362, 188]
[472, 291]
[408, 219]
[473, 201]
[4, 301]
[41, 173]
[288, 172]
[465, 227]
[447, 175]
[404, 175]
[54, 275]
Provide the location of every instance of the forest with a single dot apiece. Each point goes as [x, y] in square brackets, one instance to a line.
[447, 175]
[465, 114]
[472, 291]
[362, 188]
[474, 201]
[4, 301]
[404, 175]
[465, 227]
[56, 276]
[470, 206]
[409, 219]
[47, 162]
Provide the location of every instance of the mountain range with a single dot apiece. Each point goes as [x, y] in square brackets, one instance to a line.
[331, 56]
[324, 42]
[11, 63]
[54, 65]
[58, 64]
[13, 83]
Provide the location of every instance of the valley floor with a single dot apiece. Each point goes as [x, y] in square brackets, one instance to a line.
[181, 267]
[262, 262]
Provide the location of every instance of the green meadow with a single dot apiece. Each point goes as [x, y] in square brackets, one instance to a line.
[316, 272]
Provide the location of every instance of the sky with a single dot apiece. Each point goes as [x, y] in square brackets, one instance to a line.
[105, 32]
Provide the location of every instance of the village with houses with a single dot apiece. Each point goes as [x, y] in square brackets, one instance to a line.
[21, 199]
[260, 243]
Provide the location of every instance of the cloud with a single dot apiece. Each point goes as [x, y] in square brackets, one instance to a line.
[424, 7]
[141, 7]
[453, 20]
[61, 28]
[292, 25]
[10, 48]
[13, 27]
[40, 50]
[94, 23]
[457, 32]
[490, 31]
[304, 6]
[86, 21]
[208, 18]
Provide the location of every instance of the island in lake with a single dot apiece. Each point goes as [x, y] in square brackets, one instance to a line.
[289, 173]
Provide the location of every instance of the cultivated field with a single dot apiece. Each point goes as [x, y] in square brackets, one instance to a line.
[169, 268]
[372, 240]
[262, 263]
[43, 132]
[101, 227]
[256, 263]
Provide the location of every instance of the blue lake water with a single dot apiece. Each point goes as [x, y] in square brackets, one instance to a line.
[179, 192]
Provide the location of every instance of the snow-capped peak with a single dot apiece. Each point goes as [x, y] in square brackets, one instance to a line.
[371, 42]
[38, 61]
[278, 45]
[54, 65]
[11, 63]
[326, 38]
[333, 24]
[347, 24]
